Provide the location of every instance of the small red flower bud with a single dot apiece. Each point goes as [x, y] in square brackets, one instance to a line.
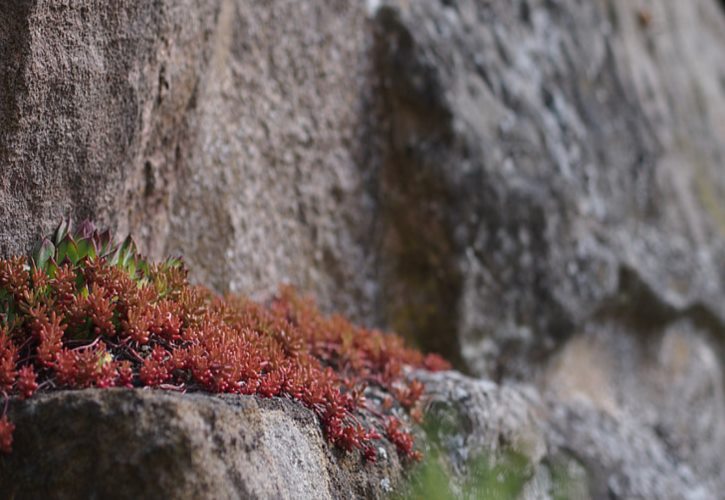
[6, 435]
[26, 383]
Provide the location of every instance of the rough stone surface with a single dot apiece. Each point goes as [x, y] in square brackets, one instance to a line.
[567, 166]
[555, 154]
[564, 166]
[570, 445]
[229, 131]
[86, 95]
[149, 444]
[668, 386]
[533, 187]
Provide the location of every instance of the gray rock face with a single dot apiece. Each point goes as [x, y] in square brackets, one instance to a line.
[571, 447]
[565, 176]
[151, 444]
[86, 102]
[539, 145]
[229, 131]
[508, 171]
[532, 187]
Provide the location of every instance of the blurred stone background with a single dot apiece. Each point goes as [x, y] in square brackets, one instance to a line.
[535, 188]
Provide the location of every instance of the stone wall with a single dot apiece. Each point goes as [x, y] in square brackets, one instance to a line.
[534, 188]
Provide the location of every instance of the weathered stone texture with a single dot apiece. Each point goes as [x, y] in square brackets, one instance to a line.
[153, 444]
[603, 455]
[272, 184]
[533, 187]
[86, 102]
[559, 161]
[231, 132]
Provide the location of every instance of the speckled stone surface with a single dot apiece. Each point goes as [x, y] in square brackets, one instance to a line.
[533, 187]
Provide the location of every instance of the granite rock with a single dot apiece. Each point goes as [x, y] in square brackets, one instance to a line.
[532, 187]
[153, 444]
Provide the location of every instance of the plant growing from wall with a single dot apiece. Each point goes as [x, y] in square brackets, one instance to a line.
[87, 312]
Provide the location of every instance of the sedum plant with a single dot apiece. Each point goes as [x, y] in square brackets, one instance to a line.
[87, 312]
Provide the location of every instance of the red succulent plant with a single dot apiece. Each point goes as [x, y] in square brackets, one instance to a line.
[84, 312]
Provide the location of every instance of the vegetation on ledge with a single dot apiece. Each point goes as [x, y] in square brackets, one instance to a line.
[85, 312]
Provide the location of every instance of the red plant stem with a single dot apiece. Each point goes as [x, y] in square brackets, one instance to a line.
[47, 383]
[88, 346]
[125, 348]
[170, 387]
[25, 344]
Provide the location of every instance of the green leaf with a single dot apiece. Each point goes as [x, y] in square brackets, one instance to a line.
[143, 267]
[172, 263]
[61, 230]
[71, 252]
[128, 251]
[82, 245]
[86, 229]
[104, 359]
[43, 253]
[86, 249]
[131, 268]
[61, 249]
[114, 259]
[103, 243]
[51, 268]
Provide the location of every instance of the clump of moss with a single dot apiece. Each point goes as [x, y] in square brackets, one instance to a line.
[488, 478]
[86, 312]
